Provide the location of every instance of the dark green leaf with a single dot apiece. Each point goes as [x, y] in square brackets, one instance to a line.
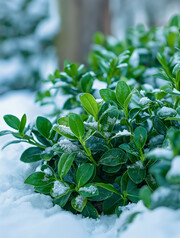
[31, 155]
[65, 163]
[12, 121]
[44, 126]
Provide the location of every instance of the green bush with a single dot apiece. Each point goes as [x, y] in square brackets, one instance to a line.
[124, 145]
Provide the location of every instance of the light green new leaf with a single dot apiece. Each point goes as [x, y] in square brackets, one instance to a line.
[76, 125]
[122, 92]
[89, 104]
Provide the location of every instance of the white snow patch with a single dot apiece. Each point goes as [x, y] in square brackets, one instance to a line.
[79, 201]
[66, 130]
[144, 100]
[91, 124]
[166, 112]
[161, 153]
[175, 167]
[68, 146]
[48, 171]
[59, 188]
[122, 133]
[176, 91]
[91, 189]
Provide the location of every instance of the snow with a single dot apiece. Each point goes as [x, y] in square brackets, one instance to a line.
[68, 146]
[79, 201]
[48, 172]
[148, 87]
[24, 213]
[91, 189]
[144, 100]
[142, 92]
[161, 153]
[166, 112]
[65, 129]
[176, 91]
[91, 124]
[59, 188]
[122, 133]
[175, 167]
[161, 193]
[111, 120]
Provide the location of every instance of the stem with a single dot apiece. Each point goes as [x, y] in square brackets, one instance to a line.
[37, 144]
[88, 152]
[176, 102]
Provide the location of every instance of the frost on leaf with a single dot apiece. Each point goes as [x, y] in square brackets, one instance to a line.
[166, 112]
[48, 172]
[79, 201]
[65, 129]
[91, 189]
[122, 133]
[144, 101]
[59, 188]
[68, 146]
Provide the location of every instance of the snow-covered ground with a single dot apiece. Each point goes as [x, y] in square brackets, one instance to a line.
[25, 214]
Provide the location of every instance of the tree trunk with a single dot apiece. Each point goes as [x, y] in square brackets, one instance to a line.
[80, 19]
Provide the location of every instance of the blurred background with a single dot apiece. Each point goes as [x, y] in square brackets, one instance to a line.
[36, 36]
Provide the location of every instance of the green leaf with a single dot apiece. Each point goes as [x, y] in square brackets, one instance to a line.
[110, 204]
[62, 200]
[87, 82]
[22, 123]
[128, 188]
[31, 155]
[44, 189]
[84, 173]
[12, 142]
[90, 211]
[169, 199]
[129, 149]
[89, 190]
[137, 172]
[111, 169]
[44, 126]
[122, 92]
[38, 179]
[108, 116]
[145, 196]
[65, 131]
[172, 119]
[76, 125]
[108, 95]
[108, 187]
[78, 203]
[5, 132]
[103, 194]
[12, 121]
[159, 125]
[65, 163]
[89, 104]
[113, 157]
[63, 121]
[140, 137]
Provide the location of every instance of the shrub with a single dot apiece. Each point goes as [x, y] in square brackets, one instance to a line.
[124, 145]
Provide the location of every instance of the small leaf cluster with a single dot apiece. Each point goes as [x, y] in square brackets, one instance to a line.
[133, 59]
